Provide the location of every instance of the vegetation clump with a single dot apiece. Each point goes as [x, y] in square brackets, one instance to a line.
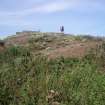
[27, 79]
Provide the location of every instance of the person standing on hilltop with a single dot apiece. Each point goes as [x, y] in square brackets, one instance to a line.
[62, 29]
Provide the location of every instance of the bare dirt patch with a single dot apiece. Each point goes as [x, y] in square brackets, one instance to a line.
[77, 49]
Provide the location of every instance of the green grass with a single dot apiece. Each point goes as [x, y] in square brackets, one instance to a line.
[25, 79]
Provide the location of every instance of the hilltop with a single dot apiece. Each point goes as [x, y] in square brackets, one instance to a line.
[54, 44]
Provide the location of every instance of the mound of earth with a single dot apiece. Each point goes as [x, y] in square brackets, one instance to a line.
[55, 45]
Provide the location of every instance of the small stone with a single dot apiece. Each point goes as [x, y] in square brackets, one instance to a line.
[55, 103]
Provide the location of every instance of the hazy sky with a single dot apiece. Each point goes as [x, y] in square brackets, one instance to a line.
[78, 16]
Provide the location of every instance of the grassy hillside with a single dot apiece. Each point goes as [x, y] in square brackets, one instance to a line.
[29, 77]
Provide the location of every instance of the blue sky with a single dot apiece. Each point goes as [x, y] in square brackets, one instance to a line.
[78, 16]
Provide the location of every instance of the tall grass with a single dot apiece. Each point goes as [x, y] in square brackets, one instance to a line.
[25, 79]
